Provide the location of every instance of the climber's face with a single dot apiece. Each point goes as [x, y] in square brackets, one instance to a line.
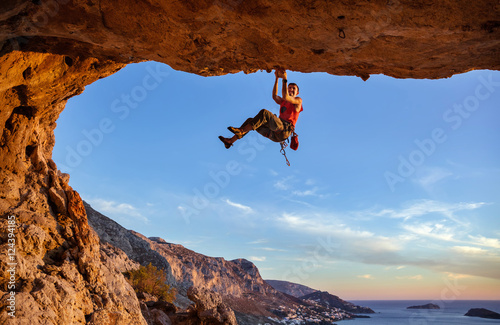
[293, 90]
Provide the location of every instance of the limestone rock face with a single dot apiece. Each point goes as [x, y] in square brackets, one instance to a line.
[184, 268]
[61, 275]
[215, 273]
[210, 308]
[402, 38]
[50, 50]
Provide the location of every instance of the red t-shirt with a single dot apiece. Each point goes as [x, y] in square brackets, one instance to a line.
[289, 113]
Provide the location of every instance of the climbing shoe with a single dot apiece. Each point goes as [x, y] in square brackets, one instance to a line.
[227, 144]
[239, 134]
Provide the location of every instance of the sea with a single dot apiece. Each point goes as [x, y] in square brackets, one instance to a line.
[392, 312]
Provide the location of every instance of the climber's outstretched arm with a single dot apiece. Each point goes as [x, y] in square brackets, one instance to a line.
[276, 98]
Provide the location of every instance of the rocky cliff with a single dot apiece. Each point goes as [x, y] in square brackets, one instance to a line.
[185, 268]
[50, 50]
[322, 298]
[292, 289]
[402, 38]
[328, 300]
[53, 265]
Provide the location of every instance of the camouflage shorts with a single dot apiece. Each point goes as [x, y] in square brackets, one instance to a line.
[270, 126]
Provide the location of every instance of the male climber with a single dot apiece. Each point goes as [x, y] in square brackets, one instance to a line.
[277, 129]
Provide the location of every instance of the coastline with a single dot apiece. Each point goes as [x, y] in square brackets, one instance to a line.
[392, 312]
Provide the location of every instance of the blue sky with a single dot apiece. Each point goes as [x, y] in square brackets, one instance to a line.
[393, 193]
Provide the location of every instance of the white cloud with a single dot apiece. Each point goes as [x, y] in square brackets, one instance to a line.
[429, 176]
[426, 207]
[432, 241]
[287, 184]
[410, 277]
[457, 276]
[314, 224]
[431, 230]
[257, 258]
[273, 172]
[362, 241]
[284, 183]
[242, 207]
[117, 209]
[270, 249]
[469, 250]
[264, 241]
[258, 241]
[487, 242]
[310, 182]
[311, 192]
[366, 276]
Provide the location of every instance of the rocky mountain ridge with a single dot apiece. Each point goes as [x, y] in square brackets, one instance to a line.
[238, 282]
[292, 289]
[328, 300]
[317, 297]
[184, 267]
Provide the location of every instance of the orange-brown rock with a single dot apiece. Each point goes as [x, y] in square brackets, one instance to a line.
[412, 38]
[51, 49]
[210, 308]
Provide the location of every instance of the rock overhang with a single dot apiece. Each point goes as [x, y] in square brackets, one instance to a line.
[403, 39]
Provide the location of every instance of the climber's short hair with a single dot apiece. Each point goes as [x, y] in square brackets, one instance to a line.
[294, 84]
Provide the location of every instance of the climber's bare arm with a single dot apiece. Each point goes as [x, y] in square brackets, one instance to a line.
[276, 98]
[297, 101]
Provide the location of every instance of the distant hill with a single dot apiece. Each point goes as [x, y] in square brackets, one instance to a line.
[293, 289]
[483, 313]
[427, 306]
[328, 300]
[320, 297]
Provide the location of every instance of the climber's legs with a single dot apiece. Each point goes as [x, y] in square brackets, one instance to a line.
[265, 122]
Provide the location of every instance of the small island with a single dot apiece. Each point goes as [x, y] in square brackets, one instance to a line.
[482, 313]
[427, 306]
